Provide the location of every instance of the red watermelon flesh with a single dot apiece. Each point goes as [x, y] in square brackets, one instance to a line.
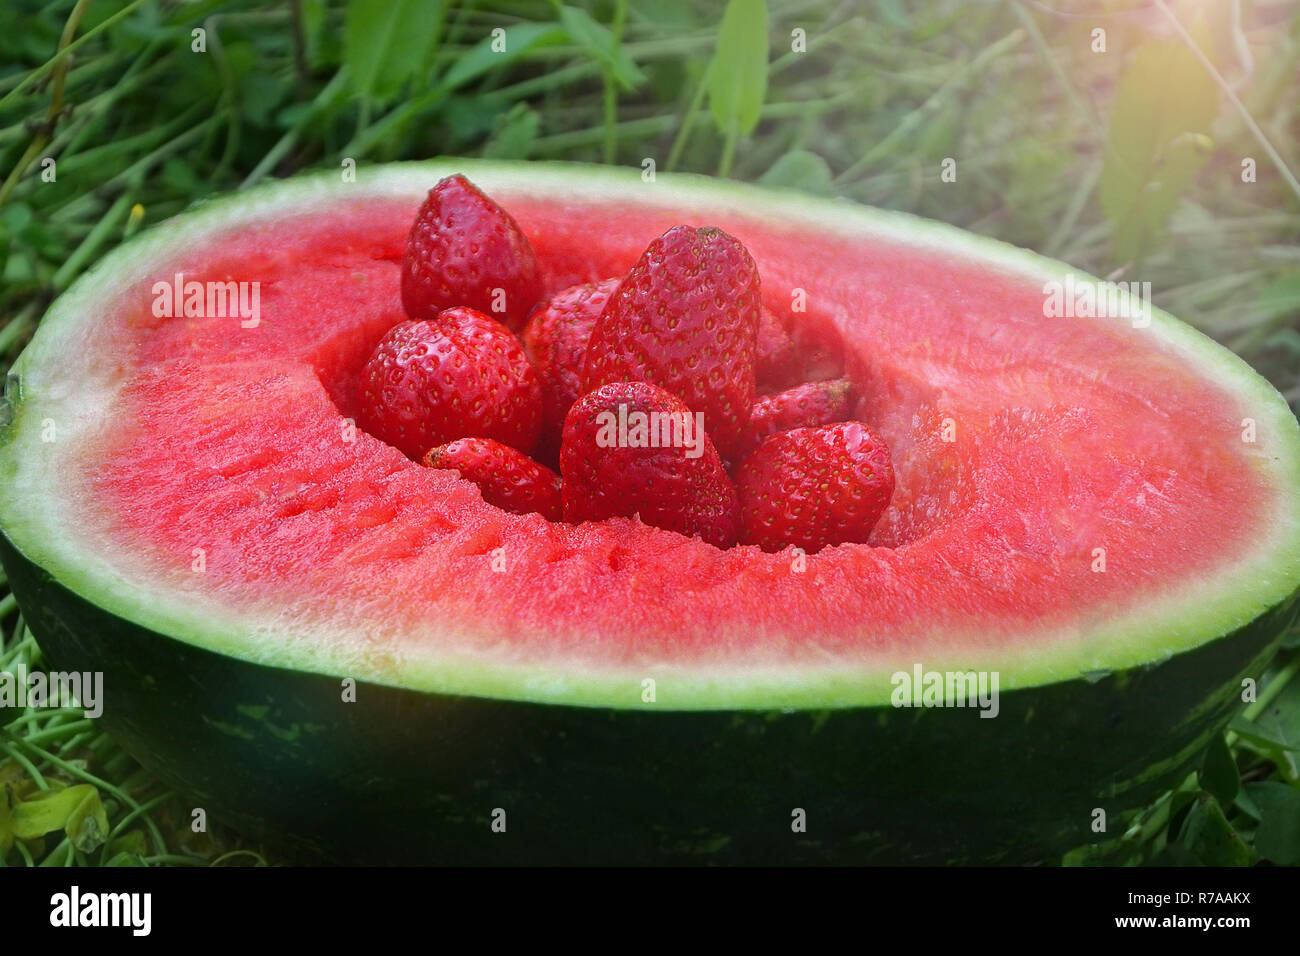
[1067, 436]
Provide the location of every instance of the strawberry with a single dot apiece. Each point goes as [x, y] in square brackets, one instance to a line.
[811, 487]
[556, 340]
[464, 249]
[430, 382]
[506, 477]
[813, 403]
[775, 362]
[631, 448]
[685, 318]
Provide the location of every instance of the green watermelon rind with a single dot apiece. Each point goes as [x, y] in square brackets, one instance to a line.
[402, 776]
[1192, 613]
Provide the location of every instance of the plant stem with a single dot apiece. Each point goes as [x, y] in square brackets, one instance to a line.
[697, 100]
[90, 245]
[62, 53]
[728, 150]
[610, 92]
[1278, 161]
[1275, 687]
[43, 135]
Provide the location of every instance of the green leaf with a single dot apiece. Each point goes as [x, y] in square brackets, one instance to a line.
[1219, 774]
[87, 825]
[1207, 835]
[800, 169]
[387, 42]
[1278, 836]
[514, 136]
[132, 843]
[1246, 804]
[1262, 738]
[1262, 796]
[1275, 731]
[76, 810]
[469, 119]
[738, 72]
[1159, 137]
[599, 43]
[485, 55]
[45, 811]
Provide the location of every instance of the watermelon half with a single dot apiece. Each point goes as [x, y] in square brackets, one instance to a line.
[310, 634]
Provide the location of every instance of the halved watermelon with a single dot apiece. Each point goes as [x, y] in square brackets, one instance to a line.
[1106, 516]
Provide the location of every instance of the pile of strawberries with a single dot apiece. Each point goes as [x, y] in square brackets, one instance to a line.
[502, 385]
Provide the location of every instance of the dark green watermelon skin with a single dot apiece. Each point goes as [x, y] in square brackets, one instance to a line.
[406, 777]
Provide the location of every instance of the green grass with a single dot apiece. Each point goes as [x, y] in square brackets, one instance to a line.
[1071, 152]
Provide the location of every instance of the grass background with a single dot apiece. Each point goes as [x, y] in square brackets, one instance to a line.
[1125, 153]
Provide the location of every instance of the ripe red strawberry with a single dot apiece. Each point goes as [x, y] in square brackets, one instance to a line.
[776, 365]
[811, 487]
[464, 249]
[611, 465]
[556, 340]
[813, 403]
[685, 318]
[461, 375]
[507, 478]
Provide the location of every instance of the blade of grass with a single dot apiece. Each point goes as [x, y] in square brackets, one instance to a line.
[931, 106]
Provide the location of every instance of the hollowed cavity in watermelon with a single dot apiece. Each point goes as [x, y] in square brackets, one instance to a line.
[1075, 496]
